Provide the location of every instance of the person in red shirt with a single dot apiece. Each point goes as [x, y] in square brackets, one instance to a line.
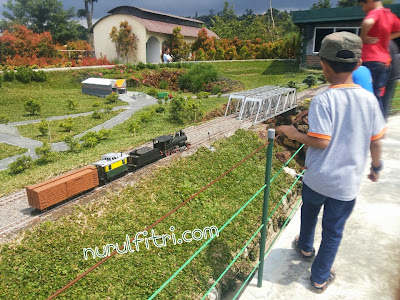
[377, 29]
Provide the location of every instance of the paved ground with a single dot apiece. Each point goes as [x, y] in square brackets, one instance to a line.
[136, 102]
[368, 261]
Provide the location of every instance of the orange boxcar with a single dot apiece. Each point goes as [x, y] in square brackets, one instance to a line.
[53, 191]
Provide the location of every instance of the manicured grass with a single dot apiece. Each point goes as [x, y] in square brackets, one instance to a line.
[396, 101]
[53, 95]
[120, 140]
[50, 255]
[259, 73]
[7, 150]
[80, 124]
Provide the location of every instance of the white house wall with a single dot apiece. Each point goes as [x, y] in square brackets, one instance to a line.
[102, 41]
[105, 47]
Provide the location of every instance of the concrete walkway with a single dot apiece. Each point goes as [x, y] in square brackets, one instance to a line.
[136, 102]
[368, 262]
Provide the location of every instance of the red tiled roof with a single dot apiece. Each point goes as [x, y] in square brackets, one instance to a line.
[173, 16]
[167, 28]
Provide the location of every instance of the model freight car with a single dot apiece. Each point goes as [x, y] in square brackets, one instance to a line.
[46, 194]
[111, 165]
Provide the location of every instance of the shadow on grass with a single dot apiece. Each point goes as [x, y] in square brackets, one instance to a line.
[281, 67]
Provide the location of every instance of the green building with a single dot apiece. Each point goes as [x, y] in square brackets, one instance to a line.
[315, 24]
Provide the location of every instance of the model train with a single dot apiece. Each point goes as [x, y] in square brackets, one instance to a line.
[111, 166]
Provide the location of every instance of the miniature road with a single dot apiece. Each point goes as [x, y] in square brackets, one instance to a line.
[136, 102]
[368, 262]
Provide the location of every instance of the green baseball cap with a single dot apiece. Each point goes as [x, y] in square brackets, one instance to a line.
[341, 47]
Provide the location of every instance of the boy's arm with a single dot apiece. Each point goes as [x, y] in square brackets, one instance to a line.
[293, 134]
[376, 150]
[394, 35]
[366, 25]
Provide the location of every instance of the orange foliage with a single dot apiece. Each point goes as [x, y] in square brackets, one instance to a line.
[23, 47]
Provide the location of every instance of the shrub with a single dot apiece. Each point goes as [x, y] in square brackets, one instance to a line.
[45, 153]
[108, 109]
[322, 78]
[134, 127]
[1, 80]
[198, 77]
[4, 119]
[24, 74]
[292, 84]
[96, 104]
[66, 125]
[192, 110]
[163, 84]
[9, 76]
[112, 98]
[72, 104]
[310, 80]
[176, 109]
[44, 127]
[216, 90]
[90, 139]
[146, 116]
[96, 114]
[152, 92]
[32, 106]
[21, 164]
[103, 134]
[141, 66]
[73, 144]
[160, 109]
[39, 76]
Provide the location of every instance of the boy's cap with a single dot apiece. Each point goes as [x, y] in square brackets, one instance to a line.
[341, 47]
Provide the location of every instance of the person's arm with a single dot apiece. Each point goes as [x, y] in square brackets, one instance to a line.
[394, 35]
[366, 25]
[376, 151]
[293, 134]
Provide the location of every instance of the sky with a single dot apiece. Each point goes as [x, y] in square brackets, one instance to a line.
[190, 7]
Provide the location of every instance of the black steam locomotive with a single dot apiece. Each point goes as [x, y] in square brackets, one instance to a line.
[163, 146]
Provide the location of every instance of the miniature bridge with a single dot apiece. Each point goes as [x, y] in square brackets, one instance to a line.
[261, 103]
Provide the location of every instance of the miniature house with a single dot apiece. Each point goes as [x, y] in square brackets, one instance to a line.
[102, 87]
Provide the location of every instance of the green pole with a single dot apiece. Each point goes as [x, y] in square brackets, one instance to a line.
[271, 137]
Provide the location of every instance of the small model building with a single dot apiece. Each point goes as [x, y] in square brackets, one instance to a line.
[102, 87]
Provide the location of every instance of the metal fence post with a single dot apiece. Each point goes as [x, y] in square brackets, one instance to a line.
[271, 137]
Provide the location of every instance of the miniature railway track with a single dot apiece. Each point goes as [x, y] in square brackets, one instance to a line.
[20, 195]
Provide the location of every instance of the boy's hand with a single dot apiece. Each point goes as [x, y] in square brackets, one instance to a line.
[288, 130]
[373, 176]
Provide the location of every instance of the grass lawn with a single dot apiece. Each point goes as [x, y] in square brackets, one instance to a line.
[259, 73]
[50, 255]
[396, 101]
[7, 150]
[80, 124]
[53, 95]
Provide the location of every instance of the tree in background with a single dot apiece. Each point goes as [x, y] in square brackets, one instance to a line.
[89, 7]
[42, 16]
[346, 3]
[125, 40]
[180, 50]
[321, 4]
